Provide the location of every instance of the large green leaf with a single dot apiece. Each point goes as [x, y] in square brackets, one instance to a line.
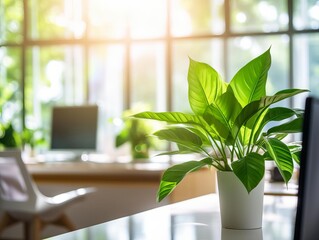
[181, 136]
[170, 117]
[173, 175]
[281, 95]
[257, 106]
[204, 86]
[273, 114]
[178, 118]
[280, 153]
[294, 126]
[250, 170]
[249, 83]
[221, 116]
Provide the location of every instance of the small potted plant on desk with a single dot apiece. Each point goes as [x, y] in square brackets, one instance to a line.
[135, 132]
[31, 138]
[227, 128]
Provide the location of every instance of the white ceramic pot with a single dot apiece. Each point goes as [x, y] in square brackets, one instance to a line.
[238, 209]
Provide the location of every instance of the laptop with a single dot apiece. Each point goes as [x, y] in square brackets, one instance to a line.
[307, 216]
[73, 132]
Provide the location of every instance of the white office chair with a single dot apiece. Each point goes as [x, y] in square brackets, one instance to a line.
[21, 200]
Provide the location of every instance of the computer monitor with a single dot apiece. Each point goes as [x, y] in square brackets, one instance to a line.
[74, 128]
[307, 217]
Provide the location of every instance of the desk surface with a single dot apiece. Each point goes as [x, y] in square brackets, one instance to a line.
[99, 171]
[195, 219]
[124, 172]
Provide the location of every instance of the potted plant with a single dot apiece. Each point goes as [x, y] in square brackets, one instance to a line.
[31, 138]
[135, 132]
[228, 129]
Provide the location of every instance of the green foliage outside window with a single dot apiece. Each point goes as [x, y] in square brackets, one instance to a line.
[9, 137]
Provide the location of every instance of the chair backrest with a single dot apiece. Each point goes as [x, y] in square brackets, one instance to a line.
[17, 190]
[307, 217]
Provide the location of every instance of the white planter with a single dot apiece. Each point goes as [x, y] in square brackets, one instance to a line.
[238, 209]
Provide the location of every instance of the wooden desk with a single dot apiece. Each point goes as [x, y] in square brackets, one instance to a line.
[148, 173]
[89, 172]
[194, 219]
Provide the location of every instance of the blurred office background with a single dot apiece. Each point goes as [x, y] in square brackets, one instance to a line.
[121, 53]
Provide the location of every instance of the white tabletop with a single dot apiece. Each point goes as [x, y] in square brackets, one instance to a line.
[195, 219]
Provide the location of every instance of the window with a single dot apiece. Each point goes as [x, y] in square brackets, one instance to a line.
[120, 53]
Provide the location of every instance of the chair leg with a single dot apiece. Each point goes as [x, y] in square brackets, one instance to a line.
[32, 229]
[6, 221]
[64, 221]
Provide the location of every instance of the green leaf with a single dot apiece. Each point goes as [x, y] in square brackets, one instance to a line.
[181, 136]
[280, 153]
[122, 137]
[295, 146]
[277, 114]
[170, 117]
[204, 86]
[299, 112]
[273, 114]
[294, 126]
[165, 188]
[250, 170]
[173, 175]
[178, 118]
[220, 116]
[249, 83]
[295, 150]
[177, 152]
[261, 142]
[257, 106]
[281, 95]
[203, 135]
[296, 156]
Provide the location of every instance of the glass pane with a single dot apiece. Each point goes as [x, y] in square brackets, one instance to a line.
[107, 19]
[258, 16]
[10, 67]
[306, 14]
[197, 17]
[54, 77]
[208, 51]
[250, 47]
[148, 75]
[11, 15]
[147, 18]
[53, 19]
[306, 65]
[106, 74]
[10, 97]
[111, 19]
